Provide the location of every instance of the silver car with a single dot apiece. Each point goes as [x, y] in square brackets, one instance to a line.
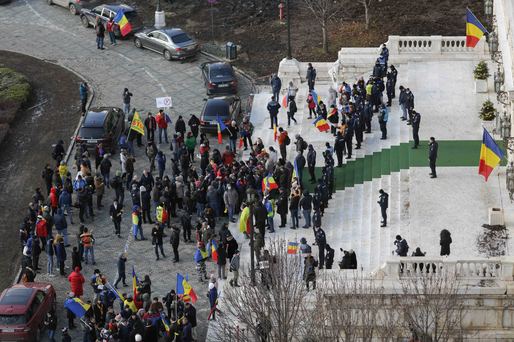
[173, 43]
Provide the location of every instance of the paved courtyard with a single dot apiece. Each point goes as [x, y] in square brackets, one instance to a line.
[52, 34]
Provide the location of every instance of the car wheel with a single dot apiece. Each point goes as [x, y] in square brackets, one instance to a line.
[84, 21]
[138, 43]
[167, 55]
[73, 9]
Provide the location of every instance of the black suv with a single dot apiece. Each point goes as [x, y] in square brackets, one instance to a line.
[102, 125]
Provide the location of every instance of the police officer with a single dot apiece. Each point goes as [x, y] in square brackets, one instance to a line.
[416, 119]
[383, 201]
[433, 146]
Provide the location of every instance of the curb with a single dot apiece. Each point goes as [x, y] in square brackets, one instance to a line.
[17, 277]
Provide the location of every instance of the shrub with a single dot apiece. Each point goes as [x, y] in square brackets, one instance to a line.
[481, 71]
[487, 112]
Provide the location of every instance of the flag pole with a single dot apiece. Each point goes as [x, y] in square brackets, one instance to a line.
[500, 189]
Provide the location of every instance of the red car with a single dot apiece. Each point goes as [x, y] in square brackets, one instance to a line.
[23, 308]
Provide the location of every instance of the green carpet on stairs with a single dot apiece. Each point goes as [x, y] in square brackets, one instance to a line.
[451, 153]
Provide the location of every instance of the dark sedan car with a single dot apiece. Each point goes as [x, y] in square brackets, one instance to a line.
[23, 308]
[89, 17]
[219, 78]
[102, 125]
[172, 43]
[228, 108]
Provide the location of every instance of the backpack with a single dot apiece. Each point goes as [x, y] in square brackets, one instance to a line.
[304, 145]
[287, 140]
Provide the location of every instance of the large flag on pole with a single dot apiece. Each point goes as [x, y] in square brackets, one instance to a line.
[185, 289]
[137, 124]
[474, 29]
[121, 20]
[77, 306]
[490, 155]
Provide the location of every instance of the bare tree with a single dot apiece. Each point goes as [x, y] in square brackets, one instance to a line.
[274, 308]
[350, 307]
[324, 11]
[366, 4]
[432, 305]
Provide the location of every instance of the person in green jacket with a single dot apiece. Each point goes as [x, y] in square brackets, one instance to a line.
[190, 146]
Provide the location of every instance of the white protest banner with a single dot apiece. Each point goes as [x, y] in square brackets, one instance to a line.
[163, 102]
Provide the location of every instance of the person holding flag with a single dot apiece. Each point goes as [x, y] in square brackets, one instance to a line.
[200, 257]
[221, 128]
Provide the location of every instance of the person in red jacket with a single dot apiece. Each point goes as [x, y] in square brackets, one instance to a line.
[162, 126]
[41, 229]
[312, 105]
[77, 280]
[228, 156]
[54, 200]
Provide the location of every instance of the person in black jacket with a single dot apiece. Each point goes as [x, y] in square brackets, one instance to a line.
[402, 247]
[306, 206]
[383, 202]
[282, 206]
[122, 260]
[416, 120]
[300, 164]
[291, 110]
[329, 257]
[311, 76]
[190, 314]
[100, 35]
[433, 146]
[339, 148]
[194, 124]
[145, 204]
[445, 242]
[116, 212]
[175, 241]
[157, 241]
[273, 108]
[180, 126]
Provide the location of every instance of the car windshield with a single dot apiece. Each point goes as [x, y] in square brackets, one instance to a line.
[16, 296]
[220, 72]
[12, 319]
[216, 108]
[180, 38]
[91, 132]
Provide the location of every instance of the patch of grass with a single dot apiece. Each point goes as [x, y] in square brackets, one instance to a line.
[14, 87]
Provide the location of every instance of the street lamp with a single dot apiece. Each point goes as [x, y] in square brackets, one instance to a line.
[289, 54]
[251, 199]
[493, 42]
[488, 7]
[160, 20]
[498, 80]
[509, 178]
[505, 125]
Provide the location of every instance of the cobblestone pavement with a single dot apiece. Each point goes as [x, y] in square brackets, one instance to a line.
[50, 33]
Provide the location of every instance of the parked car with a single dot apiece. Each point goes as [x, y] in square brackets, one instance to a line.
[75, 6]
[23, 308]
[173, 43]
[228, 108]
[219, 78]
[89, 17]
[102, 125]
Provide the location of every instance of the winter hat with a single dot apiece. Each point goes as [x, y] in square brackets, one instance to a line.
[303, 240]
[211, 286]
[138, 338]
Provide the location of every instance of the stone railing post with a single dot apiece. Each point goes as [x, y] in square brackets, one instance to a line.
[437, 44]
[393, 45]
[507, 269]
[289, 70]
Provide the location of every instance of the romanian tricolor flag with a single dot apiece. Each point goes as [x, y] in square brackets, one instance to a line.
[292, 248]
[490, 155]
[214, 250]
[268, 183]
[474, 29]
[77, 306]
[185, 289]
[121, 20]
[134, 283]
[321, 124]
[333, 111]
[284, 101]
[201, 254]
[315, 96]
[275, 133]
[221, 128]
[137, 124]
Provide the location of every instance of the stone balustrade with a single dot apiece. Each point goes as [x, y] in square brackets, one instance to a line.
[431, 45]
[501, 268]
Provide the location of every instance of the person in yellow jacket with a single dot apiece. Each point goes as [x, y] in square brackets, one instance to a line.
[63, 170]
[244, 221]
[137, 222]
